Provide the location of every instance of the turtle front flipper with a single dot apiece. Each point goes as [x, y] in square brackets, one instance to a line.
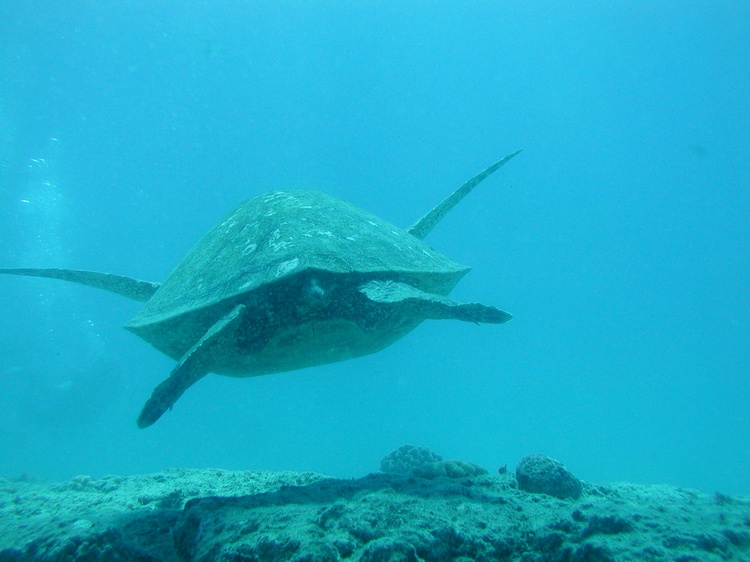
[423, 226]
[193, 366]
[429, 306]
[126, 286]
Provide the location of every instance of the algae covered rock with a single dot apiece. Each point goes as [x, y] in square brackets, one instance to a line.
[540, 474]
[449, 469]
[408, 458]
[285, 517]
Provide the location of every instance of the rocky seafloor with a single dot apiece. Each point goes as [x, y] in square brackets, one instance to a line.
[419, 507]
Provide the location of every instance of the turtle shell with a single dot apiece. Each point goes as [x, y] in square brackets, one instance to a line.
[273, 237]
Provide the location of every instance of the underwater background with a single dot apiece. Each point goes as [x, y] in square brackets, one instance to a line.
[619, 239]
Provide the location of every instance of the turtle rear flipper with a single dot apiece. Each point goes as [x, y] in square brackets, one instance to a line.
[193, 366]
[126, 286]
[414, 302]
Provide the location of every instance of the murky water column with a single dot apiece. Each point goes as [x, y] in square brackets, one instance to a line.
[61, 373]
[42, 213]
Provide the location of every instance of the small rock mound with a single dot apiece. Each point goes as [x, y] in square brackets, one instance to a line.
[408, 458]
[449, 469]
[539, 474]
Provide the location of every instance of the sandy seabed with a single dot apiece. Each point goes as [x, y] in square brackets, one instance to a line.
[188, 514]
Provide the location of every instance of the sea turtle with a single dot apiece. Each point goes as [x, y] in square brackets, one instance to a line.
[290, 279]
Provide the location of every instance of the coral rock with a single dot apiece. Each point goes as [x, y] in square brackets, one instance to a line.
[449, 469]
[408, 458]
[540, 474]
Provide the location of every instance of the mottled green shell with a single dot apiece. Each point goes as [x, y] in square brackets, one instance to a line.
[284, 233]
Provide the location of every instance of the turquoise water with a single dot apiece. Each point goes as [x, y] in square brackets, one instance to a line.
[619, 239]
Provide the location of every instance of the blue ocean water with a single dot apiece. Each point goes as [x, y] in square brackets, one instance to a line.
[619, 238]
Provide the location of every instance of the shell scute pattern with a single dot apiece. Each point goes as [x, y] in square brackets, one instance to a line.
[284, 233]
